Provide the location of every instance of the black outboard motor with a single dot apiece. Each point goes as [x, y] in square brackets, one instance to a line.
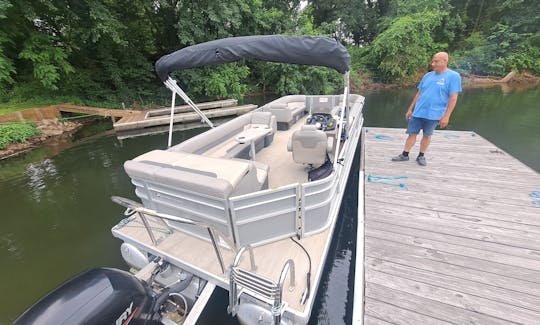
[99, 296]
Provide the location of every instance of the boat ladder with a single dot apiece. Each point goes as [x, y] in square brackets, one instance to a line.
[258, 286]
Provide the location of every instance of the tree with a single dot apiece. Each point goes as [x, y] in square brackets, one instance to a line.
[405, 47]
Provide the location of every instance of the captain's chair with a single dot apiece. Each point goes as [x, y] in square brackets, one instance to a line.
[309, 145]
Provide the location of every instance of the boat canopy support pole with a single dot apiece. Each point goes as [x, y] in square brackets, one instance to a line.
[171, 121]
[344, 107]
[173, 86]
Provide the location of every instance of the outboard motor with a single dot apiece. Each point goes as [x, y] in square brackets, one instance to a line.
[98, 296]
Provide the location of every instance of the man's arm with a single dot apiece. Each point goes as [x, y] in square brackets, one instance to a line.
[449, 109]
[411, 107]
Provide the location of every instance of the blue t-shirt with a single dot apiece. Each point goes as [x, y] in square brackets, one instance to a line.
[435, 90]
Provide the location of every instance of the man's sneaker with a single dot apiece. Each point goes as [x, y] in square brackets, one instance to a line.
[421, 160]
[401, 157]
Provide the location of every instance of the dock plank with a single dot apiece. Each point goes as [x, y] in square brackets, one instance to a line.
[455, 298]
[438, 311]
[502, 295]
[457, 241]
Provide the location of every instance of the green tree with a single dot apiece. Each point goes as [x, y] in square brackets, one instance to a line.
[405, 47]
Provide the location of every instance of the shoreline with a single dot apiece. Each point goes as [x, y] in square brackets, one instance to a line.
[51, 130]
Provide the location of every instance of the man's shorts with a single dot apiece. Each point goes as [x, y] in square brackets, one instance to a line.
[417, 123]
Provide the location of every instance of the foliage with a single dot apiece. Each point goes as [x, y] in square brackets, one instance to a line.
[16, 133]
[406, 46]
[102, 51]
[49, 61]
[215, 82]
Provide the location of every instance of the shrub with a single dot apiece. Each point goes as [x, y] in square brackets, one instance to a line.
[16, 133]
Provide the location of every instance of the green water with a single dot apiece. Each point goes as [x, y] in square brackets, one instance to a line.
[56, 212]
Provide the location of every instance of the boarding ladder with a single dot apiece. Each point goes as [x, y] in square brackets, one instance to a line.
[258, 286]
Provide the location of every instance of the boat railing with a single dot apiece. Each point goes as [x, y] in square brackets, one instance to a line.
[215, 235]
[262, 286]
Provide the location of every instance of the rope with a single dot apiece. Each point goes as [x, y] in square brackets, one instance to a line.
[386, 180]
[536, 195]
[382, 137]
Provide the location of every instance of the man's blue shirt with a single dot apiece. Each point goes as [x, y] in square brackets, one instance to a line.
[435, 90]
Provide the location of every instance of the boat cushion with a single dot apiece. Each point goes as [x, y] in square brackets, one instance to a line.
[309, 145]
[240, 174]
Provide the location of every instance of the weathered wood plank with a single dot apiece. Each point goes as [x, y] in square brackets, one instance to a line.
[451, 282]
[509, 277]
[455, 298]
[459, 219]
[407, 255]
[370, 320]
[488, 238]
[378, 247]
[413, 238]
[431, 308]
[527, 213]
[386, 311]
[520, 182]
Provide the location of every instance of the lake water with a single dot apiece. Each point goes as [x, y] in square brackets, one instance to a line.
[56, 212]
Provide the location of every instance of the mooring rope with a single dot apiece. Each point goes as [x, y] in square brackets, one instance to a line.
[382, 137]
[536, 195]
[386, 180]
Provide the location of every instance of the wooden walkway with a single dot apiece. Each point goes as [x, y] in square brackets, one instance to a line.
[457, 241]
[125, 119]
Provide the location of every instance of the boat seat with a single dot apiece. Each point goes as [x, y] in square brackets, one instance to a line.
[242, 176]
[309, 145]
[287, 110]
[323, 104]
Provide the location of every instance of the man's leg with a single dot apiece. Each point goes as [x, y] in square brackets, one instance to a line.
[428, 127]
[424, 143]
[412, 130]
[409, 143]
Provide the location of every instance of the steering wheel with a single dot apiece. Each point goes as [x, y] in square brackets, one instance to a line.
[323, 121]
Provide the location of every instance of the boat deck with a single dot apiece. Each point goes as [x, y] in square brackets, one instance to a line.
[199, 256]
[457, 241]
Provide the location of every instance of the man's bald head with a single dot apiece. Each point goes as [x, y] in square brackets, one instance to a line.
[442, 56]
[439, 62]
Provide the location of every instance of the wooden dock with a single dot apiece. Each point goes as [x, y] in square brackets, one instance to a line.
[125, 119]
[183, 114]
[457, 241]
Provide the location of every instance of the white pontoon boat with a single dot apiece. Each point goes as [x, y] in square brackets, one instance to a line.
[249, 205]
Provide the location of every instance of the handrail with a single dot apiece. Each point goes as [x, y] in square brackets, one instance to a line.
[251, 256]
[135, 207]
[260, 285]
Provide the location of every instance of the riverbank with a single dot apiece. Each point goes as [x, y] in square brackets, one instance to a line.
[51, 130]
[512, 79]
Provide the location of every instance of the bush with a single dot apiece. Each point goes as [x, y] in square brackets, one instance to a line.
[16, 133]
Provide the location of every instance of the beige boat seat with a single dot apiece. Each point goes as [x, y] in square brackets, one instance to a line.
[205, 175]
[309, 145]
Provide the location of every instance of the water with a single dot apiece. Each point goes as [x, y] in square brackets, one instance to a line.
[57, 215]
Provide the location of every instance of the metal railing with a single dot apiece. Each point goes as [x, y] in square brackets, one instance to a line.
[259, 285]
[215, 235]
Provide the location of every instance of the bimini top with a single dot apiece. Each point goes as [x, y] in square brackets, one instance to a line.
[321, 51]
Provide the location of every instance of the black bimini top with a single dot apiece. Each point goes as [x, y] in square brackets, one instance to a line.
[321, 51]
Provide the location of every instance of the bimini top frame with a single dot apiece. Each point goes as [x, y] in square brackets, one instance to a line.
[306, 50]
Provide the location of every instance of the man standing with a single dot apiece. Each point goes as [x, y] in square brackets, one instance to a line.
[433, 104]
